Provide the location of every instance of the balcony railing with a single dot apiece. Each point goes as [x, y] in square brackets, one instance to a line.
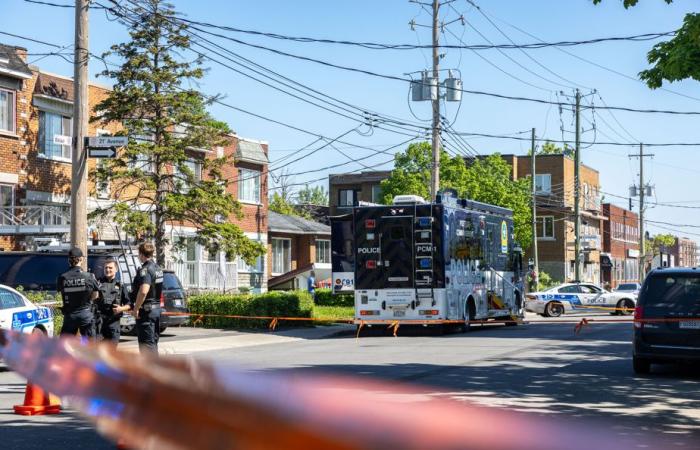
[205, 275]
[34, 219]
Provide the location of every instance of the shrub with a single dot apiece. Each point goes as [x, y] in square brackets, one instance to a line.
[269, 304]
[325, 297]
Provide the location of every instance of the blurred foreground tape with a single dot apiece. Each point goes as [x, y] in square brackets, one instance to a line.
[171, 403]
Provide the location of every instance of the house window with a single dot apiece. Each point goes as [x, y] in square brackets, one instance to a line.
[50, 125]
[281, 256]
[195, 174]
[323, 251]
[249, 185]
[7, 111]
[102, 186]
[255, 268]
[7, 202]
[346, 197]
[545, 227]
[376, 193]
[543, 183]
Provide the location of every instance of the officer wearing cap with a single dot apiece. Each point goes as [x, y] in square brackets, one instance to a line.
[113, 300]
[146, 290]
[78, 290]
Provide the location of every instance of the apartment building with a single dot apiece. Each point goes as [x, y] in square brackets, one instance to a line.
[346, 190]
[554, 183]
[35, 177]
[684, 252]
[619, 260]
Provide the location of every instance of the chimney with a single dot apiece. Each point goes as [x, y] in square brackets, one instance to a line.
[22, 53]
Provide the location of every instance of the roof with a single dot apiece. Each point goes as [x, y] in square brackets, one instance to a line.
[11, 64]
[54, 86]
[251, 152]
[283, 223]
[361, 177]
[319, 213]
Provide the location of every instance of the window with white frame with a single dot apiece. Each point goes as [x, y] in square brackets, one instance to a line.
[543, 183]
[249, 185]
[545, 227]
[7, 201]
[50, 125]
[255, 268]
[141, 161]
[376, 193]
[102, 184]
[323, 251]
[7, 111]
[195, 172]
[281, 256]
[346, 197]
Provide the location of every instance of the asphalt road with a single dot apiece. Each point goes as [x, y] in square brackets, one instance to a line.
[541, 368]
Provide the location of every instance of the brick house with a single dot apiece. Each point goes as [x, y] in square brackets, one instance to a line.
[554, 180]
[348, 189]
[297, 246]
[35, 176]
[620, 258]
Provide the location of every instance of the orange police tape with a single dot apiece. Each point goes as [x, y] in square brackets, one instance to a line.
[176, 403]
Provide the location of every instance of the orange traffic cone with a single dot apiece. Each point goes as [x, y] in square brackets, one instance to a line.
[37, 402]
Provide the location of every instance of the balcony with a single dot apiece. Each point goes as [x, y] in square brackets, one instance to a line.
[205, 275]
[34, 219]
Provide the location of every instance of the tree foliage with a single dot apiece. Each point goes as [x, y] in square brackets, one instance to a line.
[655, 245]
[281, 205]
[486, 180]
[315, 195]
[156, 180]
[674, 60]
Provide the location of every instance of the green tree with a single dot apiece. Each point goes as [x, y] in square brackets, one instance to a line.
[486, 180]
[315, 195]
[281, 205]
[152, 179]
[676, 59]
[654, 245]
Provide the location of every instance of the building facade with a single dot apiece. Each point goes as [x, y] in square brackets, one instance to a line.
[620, 258]
[348, 189]
[684, 252]
[35, 178]
[554, 183]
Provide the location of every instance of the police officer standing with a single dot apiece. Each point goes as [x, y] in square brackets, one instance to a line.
[112, 302]
[78, 290]
[145, 293]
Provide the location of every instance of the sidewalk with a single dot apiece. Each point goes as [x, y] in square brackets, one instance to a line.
[68, 430]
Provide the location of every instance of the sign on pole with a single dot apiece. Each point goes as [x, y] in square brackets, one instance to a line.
[60, 139]
[107, 141]
[102, 152]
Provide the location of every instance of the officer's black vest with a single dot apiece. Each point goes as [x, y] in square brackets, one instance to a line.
[110, 294]
[76, 289]
[153, 296]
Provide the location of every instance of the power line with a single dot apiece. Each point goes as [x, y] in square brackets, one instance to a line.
[564, 141]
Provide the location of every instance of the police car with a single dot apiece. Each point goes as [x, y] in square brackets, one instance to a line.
[20, 314]
[575, 297]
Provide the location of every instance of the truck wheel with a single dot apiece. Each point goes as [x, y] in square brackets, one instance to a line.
[468, 316]
[641, 366]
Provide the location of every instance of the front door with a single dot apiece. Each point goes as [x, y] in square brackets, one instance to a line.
[397, 252]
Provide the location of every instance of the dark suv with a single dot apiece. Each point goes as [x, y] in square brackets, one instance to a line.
[667, 319]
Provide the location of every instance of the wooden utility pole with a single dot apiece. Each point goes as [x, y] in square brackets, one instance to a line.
[533, 166]
[78, 210]
[435, 173]
[577, 190]
[642, 192]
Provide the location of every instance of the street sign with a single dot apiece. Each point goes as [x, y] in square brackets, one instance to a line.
[60, 139]
[107, 141]
[110, 152]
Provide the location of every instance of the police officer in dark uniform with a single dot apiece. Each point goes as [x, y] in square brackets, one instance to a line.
[111, 303]
[78, 290]
[145, 294]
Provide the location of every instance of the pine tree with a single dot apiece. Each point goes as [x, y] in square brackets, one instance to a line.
[162, 177]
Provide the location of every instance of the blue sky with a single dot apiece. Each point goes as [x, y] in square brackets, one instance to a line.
[673, 169]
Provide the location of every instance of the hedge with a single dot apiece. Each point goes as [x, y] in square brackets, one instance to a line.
[325, 297]
[275, 304]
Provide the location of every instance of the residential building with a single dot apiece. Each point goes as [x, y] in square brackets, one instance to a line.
[684, 252]
[554, 183]
[619, 261]
[346, 190]
[297, 246]
[35, 177]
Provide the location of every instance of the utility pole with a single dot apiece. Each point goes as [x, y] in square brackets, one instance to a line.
[435, 178]
[78, 210]
[577, 190]
[533, 166]
[642, 193]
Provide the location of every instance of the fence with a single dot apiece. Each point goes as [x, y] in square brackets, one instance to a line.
[205, 275]
[34, 219]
